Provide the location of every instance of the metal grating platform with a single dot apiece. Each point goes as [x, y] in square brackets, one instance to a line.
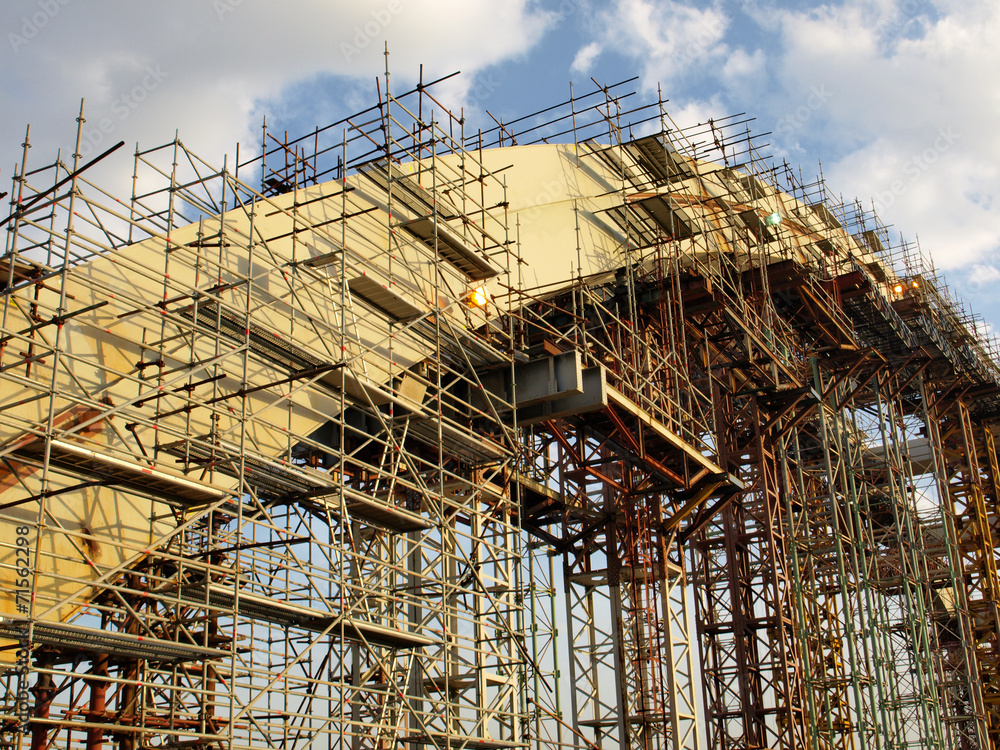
[457, 742]
[267, 478]
[143, 478]
[389, 303]
[264, 608]
[96, 641]
[366, 509]
[450, 246]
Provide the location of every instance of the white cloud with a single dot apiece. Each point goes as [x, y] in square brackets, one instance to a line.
[913, 117]
[217, 60]
[585, 58]
[665, 39]
[741, 65]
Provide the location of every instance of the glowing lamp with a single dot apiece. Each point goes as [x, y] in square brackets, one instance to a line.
[477, 297]
[898, 289]
[773, 220]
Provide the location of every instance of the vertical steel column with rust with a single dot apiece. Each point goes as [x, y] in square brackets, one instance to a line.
[752, 674]
[969, 551]
[98, 701]
[44, 691]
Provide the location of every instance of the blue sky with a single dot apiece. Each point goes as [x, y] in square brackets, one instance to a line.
[900, 99]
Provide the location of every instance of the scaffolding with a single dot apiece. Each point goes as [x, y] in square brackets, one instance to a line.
[585, 430]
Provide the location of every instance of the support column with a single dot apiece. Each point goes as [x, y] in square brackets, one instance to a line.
[44, 691]
[98, 695]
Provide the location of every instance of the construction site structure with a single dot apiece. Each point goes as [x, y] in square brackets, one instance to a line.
[585, 431]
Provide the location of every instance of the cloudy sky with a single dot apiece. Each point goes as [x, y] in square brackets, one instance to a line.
[898, 99]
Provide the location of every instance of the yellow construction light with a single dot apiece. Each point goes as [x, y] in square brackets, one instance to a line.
[898, 289]
[477, 297]
[916, 284]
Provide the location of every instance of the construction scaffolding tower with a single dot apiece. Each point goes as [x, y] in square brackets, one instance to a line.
[543, 436]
